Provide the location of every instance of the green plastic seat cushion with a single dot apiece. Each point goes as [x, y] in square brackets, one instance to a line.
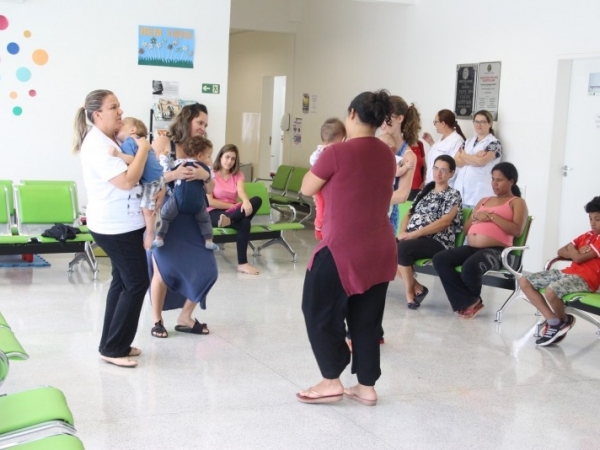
[14, 240]
[10, 345]
[33, 407]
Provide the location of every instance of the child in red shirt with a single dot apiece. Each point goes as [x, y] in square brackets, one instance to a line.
[583, 275]
[332, 131]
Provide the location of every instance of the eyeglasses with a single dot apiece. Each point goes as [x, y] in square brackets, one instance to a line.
[443, 171]
[480, 122]
[435, 122]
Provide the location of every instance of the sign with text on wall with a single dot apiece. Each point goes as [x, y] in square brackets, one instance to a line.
[477, 87]
[488, 87]
[166, 46]
[465, 90]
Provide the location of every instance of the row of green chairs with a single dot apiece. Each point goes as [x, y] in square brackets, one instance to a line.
[263, 226]
[28, 208]
[505, 278]
[35, 419]
[285, 189]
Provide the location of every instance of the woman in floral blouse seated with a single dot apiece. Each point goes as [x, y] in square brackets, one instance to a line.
[430, 226]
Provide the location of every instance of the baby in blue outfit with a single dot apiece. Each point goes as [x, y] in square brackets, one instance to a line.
[152, 180]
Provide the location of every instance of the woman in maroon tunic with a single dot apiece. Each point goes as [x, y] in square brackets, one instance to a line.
[350, 269]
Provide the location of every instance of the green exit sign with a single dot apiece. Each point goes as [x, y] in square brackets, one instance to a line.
[211, 88]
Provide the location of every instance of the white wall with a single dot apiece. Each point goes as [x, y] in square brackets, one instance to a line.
[92, 47]
[254, 55]
[266, 15]
[345, 47]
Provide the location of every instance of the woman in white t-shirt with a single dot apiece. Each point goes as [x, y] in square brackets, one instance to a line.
[452, 140]
[115, 220]
[476, 160]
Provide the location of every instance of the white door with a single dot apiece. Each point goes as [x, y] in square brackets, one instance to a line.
[278, 111]
[266, 126]
[582, 152]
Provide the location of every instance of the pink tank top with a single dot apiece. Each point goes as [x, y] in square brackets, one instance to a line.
[490, 229]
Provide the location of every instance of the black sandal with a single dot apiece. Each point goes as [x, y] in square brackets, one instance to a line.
[159, 330]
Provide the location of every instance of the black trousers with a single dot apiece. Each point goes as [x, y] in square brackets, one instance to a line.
[127, 290]
[240, 222]
[464, 288]
[325, 305]
[412, 250]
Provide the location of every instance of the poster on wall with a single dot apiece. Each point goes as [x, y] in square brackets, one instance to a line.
[466, 77]
[166, 47]
[305, 103]
[314, 100]
[594, 84]
[165, 88]
[488, 87]
[297, 132]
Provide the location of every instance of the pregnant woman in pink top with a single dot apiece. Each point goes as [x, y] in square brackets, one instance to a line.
[491, 228]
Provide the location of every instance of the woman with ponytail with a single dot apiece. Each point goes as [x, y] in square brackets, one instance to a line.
[492, 226]
[115, 220]
[452, 140]
[431, 225]
[347, 278]
[405, 157]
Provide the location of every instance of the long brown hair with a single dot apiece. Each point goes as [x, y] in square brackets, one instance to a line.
[225, 149]
[179, 131]
[448, 117]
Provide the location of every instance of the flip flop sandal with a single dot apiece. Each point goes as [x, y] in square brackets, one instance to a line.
[413, 305]
[352, 396]
[472, 312]
[319, 399]
[198, 328]
[134, 351]
[122, 361]
[159, 330]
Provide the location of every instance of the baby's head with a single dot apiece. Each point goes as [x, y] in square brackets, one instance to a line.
[332, 131]
[199, 148]
[131, 127]
[593, 210]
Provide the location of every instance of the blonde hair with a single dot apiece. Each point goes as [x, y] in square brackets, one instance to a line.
[140, 127]
[93, 103]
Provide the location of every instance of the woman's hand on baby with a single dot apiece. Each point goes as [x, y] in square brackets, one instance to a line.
[159, 199]
[197, 172]
[247, 208]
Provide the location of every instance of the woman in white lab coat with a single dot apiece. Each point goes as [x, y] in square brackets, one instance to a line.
[452, 140]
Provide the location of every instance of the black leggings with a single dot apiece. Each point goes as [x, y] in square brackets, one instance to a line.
[325, 305]
[241, 223]
[464, 288]
[412, 250]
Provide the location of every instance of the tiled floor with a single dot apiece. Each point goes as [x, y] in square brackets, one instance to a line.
[446, 383]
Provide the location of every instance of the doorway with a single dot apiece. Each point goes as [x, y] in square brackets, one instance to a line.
[271, 135]
[582, 146]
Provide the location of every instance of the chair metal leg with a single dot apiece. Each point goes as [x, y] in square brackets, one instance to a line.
[35, 432]
[88, 256]
[516, 294]
[255, 250]
[280, 240]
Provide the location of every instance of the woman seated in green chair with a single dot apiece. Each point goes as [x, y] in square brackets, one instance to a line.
[492, 226]
[431, 226]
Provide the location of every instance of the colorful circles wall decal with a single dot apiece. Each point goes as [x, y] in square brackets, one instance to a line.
[13, 48]
[40, 57]
[23, 74]
[17, 78]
